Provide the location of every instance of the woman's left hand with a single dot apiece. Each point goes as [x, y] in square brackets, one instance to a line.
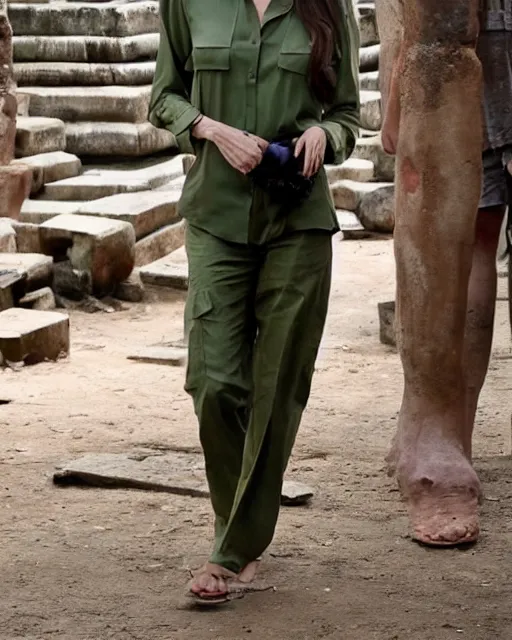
[313, 142]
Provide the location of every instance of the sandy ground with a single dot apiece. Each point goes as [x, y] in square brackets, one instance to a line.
[95, 564]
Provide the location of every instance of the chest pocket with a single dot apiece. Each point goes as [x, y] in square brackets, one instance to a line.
[212, 30]
[295, 52]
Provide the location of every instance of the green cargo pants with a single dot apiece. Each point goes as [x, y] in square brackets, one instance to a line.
[255, 317]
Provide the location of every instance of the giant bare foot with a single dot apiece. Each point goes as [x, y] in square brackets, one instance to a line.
[440, 487]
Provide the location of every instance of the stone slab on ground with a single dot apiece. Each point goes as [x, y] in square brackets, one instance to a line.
[105, 248]
[7, 236]
[76, 18]
[131, 289]
[12, 287]
[352, 169]
[41, 300]
[170, 271]
[387, 330]
[37, 268]
[63, 74]
[175, 472]
[15, 183]
[350, 225]
[86, 104]
[93, 187]
[371, 110]
[370, 148]
[147, 211]
[120, 139]
[32, 336]
[38, 211]
[85, 48]
[161, 355]
[36, 135]
[160, 243]
[50, 167]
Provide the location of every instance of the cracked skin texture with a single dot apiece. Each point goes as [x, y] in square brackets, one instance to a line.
[433, 122]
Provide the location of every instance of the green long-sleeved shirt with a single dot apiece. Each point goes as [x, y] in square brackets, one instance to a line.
[216, 59]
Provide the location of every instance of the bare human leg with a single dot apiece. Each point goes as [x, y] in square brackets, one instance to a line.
[437, 193]
[481, 307]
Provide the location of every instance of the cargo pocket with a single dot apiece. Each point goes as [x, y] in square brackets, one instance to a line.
[199, 306]
[296, 61]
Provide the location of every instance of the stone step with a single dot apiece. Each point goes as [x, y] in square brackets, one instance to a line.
[37, 267]
[371, 110]
[351, 169]
[77, 18]
[83, 73]
[39, 135]
[85, 48]
[350, 225]
[97, 182]
[50, 167]
[105, 104]
[170, 271]
[118, 139]
[368, 24]
[156, 173]
[31, 336]
[27, 237]
[369, 81]
[92, 187]
[146, 211]
[371, 149]
[39, 211]
[369, 58]
[102, 247]
[160, 243]
[373, 203]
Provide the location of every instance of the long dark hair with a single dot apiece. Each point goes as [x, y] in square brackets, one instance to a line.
[322, 19]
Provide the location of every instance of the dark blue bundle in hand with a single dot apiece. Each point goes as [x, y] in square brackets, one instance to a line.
[280, 174]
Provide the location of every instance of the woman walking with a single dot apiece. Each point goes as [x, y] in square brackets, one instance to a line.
[263, 92]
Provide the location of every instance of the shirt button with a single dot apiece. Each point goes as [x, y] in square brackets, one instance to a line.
[252, 75]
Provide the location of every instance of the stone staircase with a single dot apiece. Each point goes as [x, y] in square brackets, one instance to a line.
[83, 102]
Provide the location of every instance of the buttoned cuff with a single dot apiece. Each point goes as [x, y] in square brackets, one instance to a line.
[164, 116]
[337, 149]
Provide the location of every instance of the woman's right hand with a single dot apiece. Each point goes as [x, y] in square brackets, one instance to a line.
[243, 151]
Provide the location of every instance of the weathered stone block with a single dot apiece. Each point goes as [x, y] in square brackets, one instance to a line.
[85, 48]
[120, 139]
[8, 104]
[368, 24]
[36, 267]
[50, 167]
[131, 289]
[171, 271]
[86, 104]
[39, 135]
[105, 248]
[369, 81]
[369, 58]
[33, 336]
[72, 19]
[15, 182]
[33, 74]
[7, 236]
[159, 243]
[353, 169]
[38, 211]
[41, 300]
[376, 208]
[371, 149]
[371, 110]
[147, 211]
[27, 237]
[12, 287]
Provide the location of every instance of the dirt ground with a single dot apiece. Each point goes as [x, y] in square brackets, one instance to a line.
[93, 564]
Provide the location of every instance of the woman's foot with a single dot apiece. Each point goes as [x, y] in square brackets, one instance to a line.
[213, 583]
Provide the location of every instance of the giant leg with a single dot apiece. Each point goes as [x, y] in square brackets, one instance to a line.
[437, 193]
